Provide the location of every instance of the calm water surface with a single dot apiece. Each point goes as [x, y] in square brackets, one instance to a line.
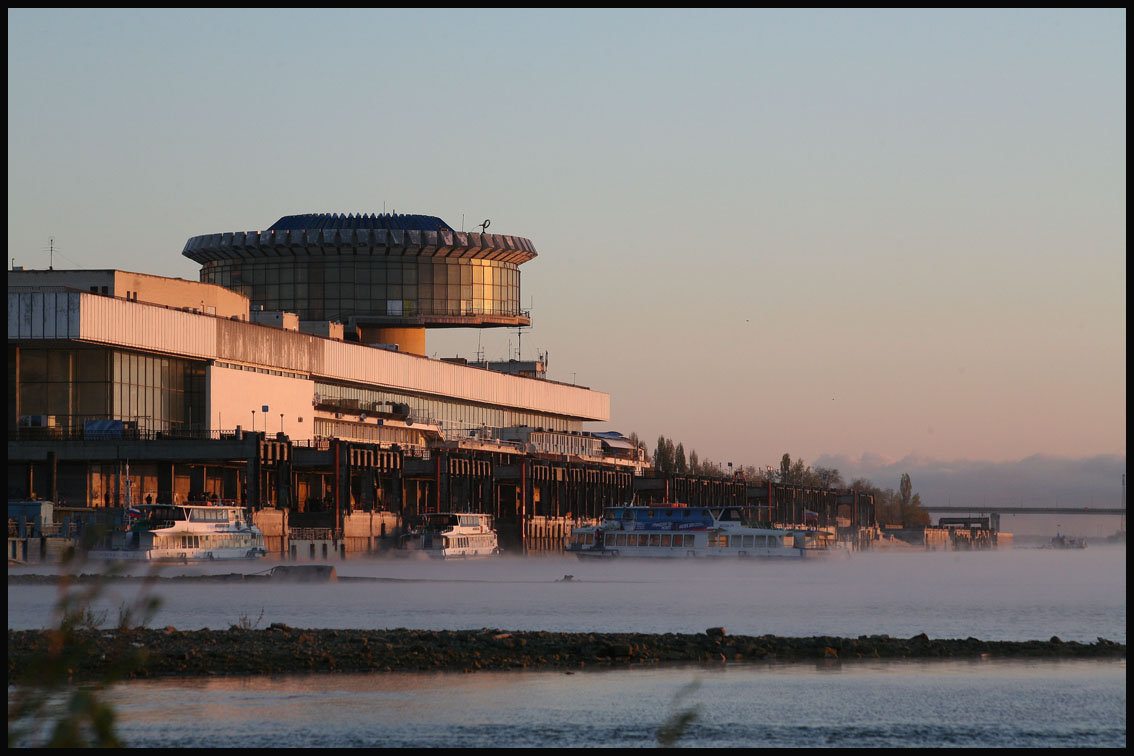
[1009, 595]
[859, 705]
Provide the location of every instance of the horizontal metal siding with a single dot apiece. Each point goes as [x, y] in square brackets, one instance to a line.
[265, 345]
[362, 364]
[148, 327]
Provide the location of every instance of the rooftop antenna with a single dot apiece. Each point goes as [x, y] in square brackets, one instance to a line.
[51, 253]
[484, 226]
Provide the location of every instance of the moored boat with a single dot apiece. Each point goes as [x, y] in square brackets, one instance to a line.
[188, 533]
[1061, 541]
[670, 531]
[450, 535]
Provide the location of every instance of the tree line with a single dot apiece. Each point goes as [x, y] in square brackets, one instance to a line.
[901, 507]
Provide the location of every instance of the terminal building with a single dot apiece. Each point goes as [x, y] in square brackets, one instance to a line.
[292, 378]
[280, 336]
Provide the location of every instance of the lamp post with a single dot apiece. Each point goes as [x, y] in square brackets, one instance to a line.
[281, 422]
[253, 421]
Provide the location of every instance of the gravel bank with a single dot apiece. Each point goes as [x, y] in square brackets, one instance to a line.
[281, 649]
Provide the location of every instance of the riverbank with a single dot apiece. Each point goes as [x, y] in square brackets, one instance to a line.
[281, 649]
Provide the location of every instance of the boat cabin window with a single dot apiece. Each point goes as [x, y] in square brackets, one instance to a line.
[729, 514]
[165, 513]
[438, 521]
[208, 515]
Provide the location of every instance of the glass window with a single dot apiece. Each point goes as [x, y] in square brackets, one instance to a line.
[33, 366]
[91, 398]
[33, 398]
[59, 365]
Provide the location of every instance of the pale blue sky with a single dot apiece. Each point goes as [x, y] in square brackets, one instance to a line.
[835, 233]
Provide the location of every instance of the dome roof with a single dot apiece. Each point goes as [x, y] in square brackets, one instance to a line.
[372, 222]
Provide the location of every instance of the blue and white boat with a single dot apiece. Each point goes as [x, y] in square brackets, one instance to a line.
[677, 531]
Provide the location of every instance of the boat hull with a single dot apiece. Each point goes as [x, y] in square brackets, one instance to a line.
[180, 556]
[593, 554]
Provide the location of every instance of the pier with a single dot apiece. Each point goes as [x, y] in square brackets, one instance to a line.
[341, 499]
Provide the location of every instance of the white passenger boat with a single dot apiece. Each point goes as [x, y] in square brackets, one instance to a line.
[450, 535]
[188, 533]
[670, 531]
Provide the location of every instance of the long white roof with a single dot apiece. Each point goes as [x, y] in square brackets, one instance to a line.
[81, 316]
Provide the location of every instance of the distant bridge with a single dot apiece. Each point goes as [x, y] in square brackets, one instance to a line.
[985, 509]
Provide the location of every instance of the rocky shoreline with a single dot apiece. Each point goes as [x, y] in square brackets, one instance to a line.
[169, 652]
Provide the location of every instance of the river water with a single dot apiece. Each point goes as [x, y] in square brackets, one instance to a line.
[1019, 594]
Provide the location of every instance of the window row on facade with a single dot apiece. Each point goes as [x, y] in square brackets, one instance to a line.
[72, 386]
[453, 416]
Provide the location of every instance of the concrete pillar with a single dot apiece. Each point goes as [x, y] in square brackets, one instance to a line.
[409, 340]
[283, 484]
[198, 478]
[166, 482]
[52, 476]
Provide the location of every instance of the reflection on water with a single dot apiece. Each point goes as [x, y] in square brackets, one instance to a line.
[875, 704]
[997, 595]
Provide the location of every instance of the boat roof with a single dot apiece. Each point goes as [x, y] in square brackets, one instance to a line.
[188, 505]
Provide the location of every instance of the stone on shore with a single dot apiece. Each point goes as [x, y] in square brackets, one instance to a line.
[281, 649]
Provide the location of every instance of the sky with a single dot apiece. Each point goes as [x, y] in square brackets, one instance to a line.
[886, 241]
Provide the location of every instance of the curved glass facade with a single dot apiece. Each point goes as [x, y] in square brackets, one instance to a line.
[336, 287]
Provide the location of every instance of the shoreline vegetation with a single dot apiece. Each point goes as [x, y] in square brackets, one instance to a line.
[280, 649]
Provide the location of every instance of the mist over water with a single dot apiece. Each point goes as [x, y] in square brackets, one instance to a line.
[1019, 594]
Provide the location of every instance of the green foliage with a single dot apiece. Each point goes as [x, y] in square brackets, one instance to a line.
[663, 455]
[829, 477]
[638, 443]
[916, 515]
[901, 507]
[670, 458]
[44, 702]
[798, 473]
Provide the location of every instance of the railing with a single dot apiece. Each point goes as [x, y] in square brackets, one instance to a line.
[311, 534]
[65, 432]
